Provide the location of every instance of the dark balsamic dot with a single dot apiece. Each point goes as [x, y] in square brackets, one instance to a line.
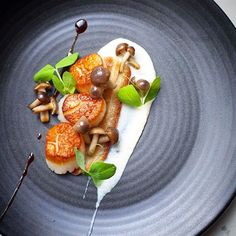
[81, 25]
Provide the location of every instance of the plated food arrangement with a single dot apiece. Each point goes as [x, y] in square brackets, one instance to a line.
[102, 101]
[183, 160]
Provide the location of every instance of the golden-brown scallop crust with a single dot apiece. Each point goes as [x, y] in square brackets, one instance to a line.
[59, 148]
[82, 69]
[82, 104]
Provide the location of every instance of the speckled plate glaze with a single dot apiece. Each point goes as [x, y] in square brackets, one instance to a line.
[182, 172]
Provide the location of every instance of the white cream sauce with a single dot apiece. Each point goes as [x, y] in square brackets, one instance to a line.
[132, 120]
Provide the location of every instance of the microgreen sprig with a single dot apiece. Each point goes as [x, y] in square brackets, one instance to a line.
[98, 171]
[130, 96]
[65, 84]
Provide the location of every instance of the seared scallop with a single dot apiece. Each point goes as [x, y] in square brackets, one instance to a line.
[59, 149]
[82, 69]
[77, 105]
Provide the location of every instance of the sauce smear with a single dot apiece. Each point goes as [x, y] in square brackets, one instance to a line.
[24, 173]
[86, 188]
[93, 220]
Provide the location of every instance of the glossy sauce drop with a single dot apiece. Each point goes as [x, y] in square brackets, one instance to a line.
[24, 173]
[39, 136]
[80, 27]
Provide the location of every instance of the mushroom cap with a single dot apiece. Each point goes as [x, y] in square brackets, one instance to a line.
[42, 86]
[121, 48]
[54, 105]
[43, 97]
[100, 76]
[131, 50]
[82, 125]
[143, 85]
[113, 134]
[96, 92]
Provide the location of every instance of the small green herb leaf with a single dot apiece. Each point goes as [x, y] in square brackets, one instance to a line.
[58, 84]
[80, 160]
[100, 170]
[154, 89]
[129, 95]
[44, 74]
[96, 182]
[69, 82]
[67, 61]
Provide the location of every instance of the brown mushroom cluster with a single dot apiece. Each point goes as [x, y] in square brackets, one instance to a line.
[44, 105]
[127, 52]
[95, 136]
[101, 80]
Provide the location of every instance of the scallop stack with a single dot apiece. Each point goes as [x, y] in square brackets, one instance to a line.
[89, 118]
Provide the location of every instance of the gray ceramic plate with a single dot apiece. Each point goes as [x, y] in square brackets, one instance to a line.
[182, 173]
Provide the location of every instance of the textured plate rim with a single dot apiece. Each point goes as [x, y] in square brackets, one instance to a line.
[224, 18]
[227, 20]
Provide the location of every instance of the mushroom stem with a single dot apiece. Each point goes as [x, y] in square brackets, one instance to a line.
[104, 63]
[97, 130]
[103, 139]
[93, 144]
[46, 107]
[124, 59]
[44, 116]
[87, 138]
[111, 85]
[34, 104]
[133, 63]
[41, 88]
[114, 71]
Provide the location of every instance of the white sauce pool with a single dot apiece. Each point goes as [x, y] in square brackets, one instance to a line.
[132, 120]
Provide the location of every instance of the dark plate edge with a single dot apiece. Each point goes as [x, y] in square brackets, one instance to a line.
[216, 9]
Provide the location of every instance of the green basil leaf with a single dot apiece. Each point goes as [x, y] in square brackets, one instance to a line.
[80, 160]
[154, 89]
[69, 82]
[58, 84]
[67, 61]
[44, 74]
[129, 95]
[100, 170]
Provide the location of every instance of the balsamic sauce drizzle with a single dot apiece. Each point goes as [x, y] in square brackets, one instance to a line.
[39, 136]
[24, 173]
[80, 26]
